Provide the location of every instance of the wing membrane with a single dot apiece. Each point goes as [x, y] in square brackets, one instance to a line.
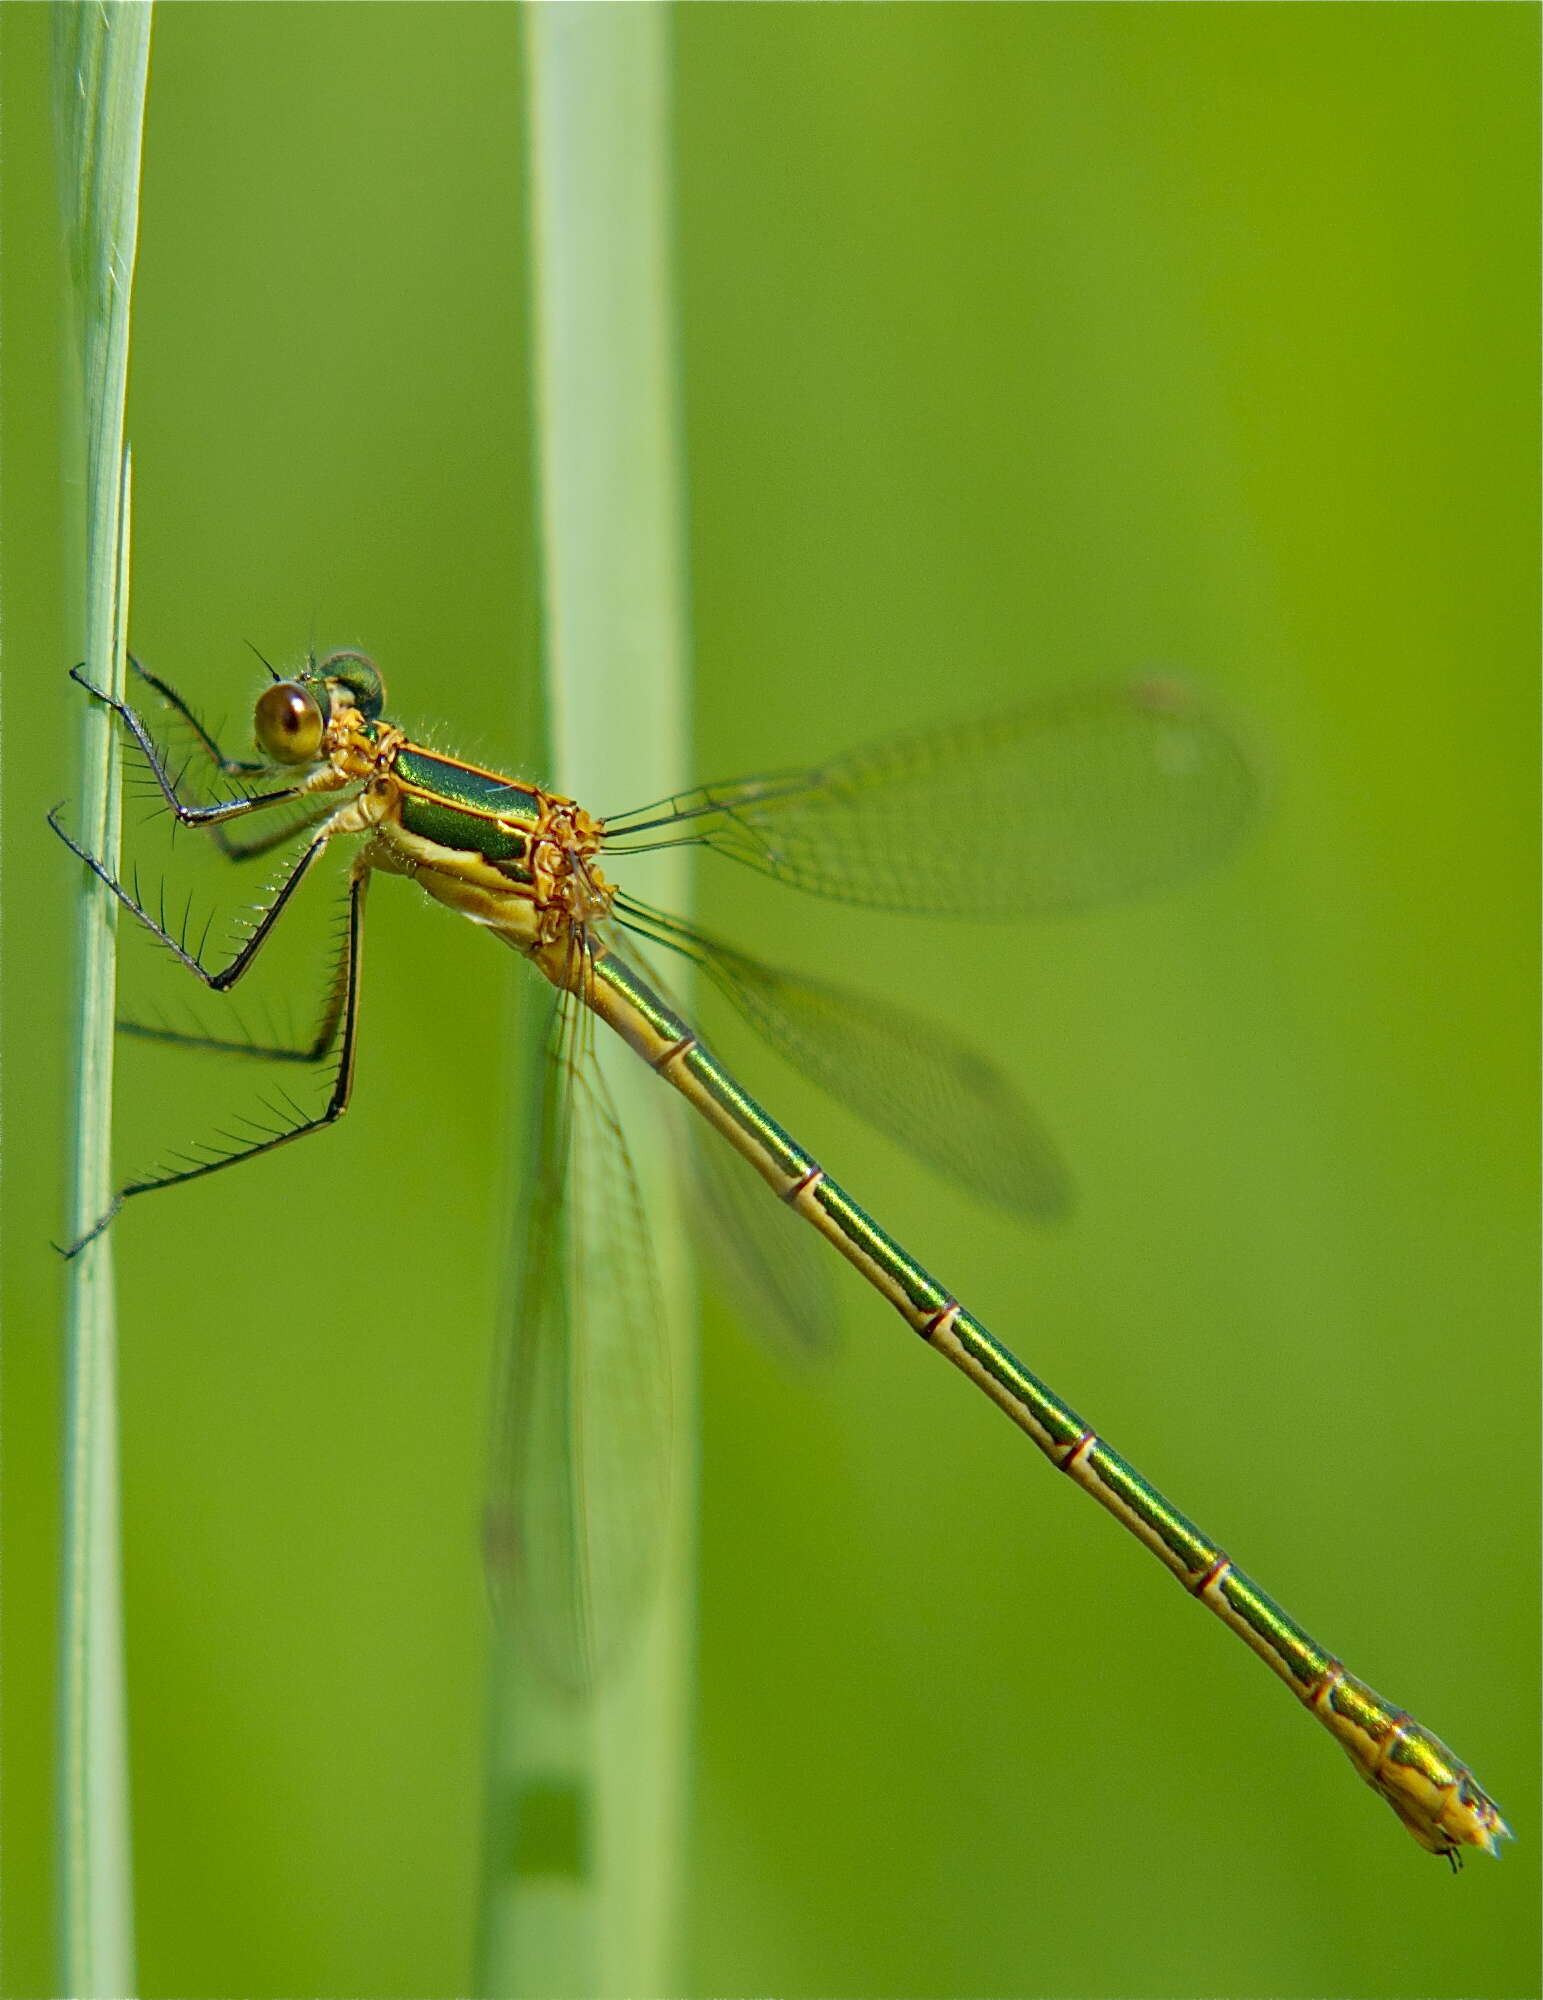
[1094, 797]
[581, 1468]
[918, 1084]
[769, 1261]
[766, 1257]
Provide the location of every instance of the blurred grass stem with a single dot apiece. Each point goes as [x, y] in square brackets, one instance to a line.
[583, 1883]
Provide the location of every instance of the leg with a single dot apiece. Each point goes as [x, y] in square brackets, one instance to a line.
[186, 815]
[346, 1014]
[226, 977]
[315, 1050]
[265, 843]
[229, 767]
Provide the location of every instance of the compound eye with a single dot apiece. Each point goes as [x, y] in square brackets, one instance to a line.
[288, 723]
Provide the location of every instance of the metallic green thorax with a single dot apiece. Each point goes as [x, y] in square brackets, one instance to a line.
[460, 806]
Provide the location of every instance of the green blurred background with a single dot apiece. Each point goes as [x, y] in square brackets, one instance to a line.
[1021, 345]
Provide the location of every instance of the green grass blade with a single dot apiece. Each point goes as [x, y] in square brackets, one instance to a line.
[583, 1883]
[102, 56]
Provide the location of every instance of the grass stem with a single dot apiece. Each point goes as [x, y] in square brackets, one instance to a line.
[612, 1771]
[102, 57]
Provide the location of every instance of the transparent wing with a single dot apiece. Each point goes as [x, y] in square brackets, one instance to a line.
[581, 1458]
[772, 1265]
[1097, 796]
[914, 1081]
[767, 1259]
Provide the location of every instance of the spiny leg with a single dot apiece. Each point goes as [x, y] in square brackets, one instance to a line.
[315, 1050]
[266, 843]
[186, 815]
[228, 767]
[225, 977]
[222, 980]
[346, 1016]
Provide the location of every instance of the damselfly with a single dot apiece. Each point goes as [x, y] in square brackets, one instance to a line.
[1099, 795]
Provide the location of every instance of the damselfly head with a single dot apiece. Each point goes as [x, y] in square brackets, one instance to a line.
[292, 716]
